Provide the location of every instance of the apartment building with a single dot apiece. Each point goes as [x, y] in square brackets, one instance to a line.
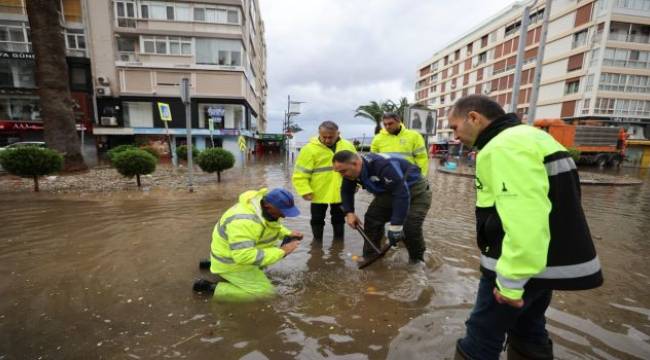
[596, 64]
[142, 49]
[126, 56]
[20, 118]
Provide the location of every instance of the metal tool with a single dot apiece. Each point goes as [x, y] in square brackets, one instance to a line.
[380, 253]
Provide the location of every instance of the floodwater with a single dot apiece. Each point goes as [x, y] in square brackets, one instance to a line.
[96, 276]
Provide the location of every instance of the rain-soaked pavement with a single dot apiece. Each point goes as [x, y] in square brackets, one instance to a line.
[90, 276]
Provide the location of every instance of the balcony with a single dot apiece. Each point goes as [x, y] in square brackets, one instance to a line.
[626, 32]
[633, 38]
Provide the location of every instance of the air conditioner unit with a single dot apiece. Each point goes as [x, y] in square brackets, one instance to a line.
[108, 121]
[103, 80]
[103, 91]
[486, 91]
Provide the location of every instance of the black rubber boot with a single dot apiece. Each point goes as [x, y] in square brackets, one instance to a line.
[518, 350]
[204, 264]
[317, 231]
[204, 286]
[339, 231]
[460, 354]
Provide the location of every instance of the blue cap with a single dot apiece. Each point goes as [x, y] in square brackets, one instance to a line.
[283, 200]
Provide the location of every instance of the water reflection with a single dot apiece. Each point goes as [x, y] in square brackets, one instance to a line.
[109, 275]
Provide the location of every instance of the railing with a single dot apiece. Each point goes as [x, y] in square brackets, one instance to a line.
[635, 64]
[635, 38]
[128, 57]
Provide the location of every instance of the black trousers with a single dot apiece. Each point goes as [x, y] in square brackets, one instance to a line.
[319, 211]
[380, 211]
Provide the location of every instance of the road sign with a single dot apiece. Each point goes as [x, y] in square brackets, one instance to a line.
[242, 143]
[165, 111]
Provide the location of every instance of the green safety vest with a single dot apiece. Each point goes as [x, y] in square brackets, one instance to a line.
[314, 173]
[407, 144]
[531, 228]
[243, 238]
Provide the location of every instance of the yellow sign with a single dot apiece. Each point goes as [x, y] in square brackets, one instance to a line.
[242, 143]
[165, 111]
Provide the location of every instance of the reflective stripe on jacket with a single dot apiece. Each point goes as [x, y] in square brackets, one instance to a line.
[314, 172]
[407, 144]
[243, 238]
[531, 228]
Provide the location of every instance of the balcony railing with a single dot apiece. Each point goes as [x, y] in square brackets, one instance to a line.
[635, 64]
[635, 38]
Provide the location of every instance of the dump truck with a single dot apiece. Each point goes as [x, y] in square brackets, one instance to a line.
[598, 144]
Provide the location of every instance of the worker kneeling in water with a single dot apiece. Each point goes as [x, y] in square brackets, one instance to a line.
[245, 241]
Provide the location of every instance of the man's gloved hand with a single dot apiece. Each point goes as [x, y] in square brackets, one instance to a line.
[395, 234]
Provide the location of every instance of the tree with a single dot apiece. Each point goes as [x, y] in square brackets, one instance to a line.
[118, 149]
[181, 152]
[45, 18]
[31, 162]
[375, 111]
[134, 162]
[216, 160]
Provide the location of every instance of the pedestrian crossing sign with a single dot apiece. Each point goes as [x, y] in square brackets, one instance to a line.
[165, 111]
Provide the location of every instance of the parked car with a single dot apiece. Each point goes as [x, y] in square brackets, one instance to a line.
[22, 144]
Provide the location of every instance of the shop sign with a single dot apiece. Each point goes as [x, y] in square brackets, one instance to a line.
[20, 126]
[17, 55]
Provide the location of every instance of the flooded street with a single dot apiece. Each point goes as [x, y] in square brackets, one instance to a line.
[109, 276]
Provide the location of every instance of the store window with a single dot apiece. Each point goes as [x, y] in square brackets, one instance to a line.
[19, 109]
[137, 114]
[233, 116]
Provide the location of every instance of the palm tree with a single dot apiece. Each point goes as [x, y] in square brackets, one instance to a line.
[45, 18]
[375, 111]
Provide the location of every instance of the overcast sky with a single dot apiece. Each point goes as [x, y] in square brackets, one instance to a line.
[338, 54]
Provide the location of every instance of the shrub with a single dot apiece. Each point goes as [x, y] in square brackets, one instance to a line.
[116, 150]
[134, 162]
[32, 162]
[216, 160]
[151, 151]
[181, 152]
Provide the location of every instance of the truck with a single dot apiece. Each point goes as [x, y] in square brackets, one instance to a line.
[596, 143]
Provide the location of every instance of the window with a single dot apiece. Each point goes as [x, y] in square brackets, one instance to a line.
[12, 7]
[137, 114]
[482, 58]
[75, 39]
[575, 62]
[125, 13]
[571, 86]
[125, 44]
[626, 58]
[219, 52]
[469, 49]
[79, 78]
[579, 39]
[20, 109]
[157, 11]
[642, 5]
[457, 55]
[233, 116]
[14, 38]
[622, 107]
[72, 10]
[624, 83]
[217, 15]
[17, 74]
[513, 28]
[183, 13]
[166, 45]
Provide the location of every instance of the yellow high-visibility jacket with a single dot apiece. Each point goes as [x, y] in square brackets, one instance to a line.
[407, 144]
[314, 173]
[243, 238]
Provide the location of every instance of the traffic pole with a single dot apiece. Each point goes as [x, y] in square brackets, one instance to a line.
[185, 96]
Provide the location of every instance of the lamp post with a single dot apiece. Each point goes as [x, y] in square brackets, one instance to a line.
[293, 109]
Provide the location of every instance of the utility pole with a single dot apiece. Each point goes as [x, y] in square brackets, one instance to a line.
[523, 34]
[538, 64]
[185, 96]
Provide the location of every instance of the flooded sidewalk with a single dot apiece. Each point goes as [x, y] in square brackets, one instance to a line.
[109, 275]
